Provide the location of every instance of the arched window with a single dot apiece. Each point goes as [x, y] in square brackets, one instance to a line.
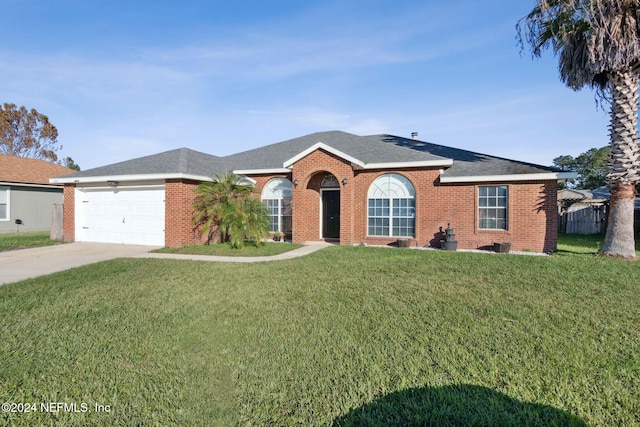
[391, 205]
[329, 181]
[276, 195]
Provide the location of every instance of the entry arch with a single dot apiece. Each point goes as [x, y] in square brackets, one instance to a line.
[330, 207]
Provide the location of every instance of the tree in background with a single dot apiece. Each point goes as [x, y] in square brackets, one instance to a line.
[591, 167]
[68, 162]
[25, 133]
[229, 208]
[598, 45]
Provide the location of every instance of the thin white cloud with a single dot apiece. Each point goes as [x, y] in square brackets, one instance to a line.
[283, 50]
[315, 119]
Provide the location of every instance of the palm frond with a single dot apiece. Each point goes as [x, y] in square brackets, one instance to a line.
[229, 208]
[591, 38]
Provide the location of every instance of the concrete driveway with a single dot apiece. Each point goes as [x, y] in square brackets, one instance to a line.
[27, 263]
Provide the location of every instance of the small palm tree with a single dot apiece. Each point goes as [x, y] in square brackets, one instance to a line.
[598, 44]
[226, 207]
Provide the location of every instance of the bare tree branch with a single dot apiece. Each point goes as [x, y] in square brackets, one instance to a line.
[25, 133]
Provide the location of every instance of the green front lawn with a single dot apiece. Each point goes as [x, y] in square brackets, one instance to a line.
[585, 244]
[344, 336]
[25, 239]
[580, 244]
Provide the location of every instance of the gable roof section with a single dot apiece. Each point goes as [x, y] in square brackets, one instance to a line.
[599, 194]
[22, 170]
[361, 151]
[572, 194]
[469, 166]
[179, 163]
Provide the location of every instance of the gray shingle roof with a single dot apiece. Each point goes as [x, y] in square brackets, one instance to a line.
[368, 149]
[179, 161]
[468, 163]
[364, 148]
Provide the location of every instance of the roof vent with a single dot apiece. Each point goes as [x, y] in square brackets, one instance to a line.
[414, 135]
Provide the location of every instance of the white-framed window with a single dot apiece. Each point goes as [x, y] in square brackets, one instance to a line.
[493, 201]
[4, 203]
[391, 207]
[276, 195]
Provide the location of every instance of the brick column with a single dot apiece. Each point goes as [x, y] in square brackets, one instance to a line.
[69, 213]
[178, 215]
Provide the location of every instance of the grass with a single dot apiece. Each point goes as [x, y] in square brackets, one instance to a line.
[580, 244]
[25, 239]
[224, 249]
[344, 336]
[585, 244]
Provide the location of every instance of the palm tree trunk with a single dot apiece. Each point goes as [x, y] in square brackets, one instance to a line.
[622, 164]
[619, 241]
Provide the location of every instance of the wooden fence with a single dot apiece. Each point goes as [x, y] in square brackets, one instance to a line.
[56, 222]
[588, 220]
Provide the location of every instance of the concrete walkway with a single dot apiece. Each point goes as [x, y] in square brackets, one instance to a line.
[27, 263]
[308, 248]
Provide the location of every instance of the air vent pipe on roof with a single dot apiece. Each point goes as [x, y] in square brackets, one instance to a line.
[414, 135]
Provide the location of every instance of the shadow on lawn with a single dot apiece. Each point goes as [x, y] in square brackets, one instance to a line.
[456, 405]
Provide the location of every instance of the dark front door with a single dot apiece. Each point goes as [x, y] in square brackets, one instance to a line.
[331, 214]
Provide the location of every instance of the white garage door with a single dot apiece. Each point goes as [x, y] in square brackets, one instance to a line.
[121, 215]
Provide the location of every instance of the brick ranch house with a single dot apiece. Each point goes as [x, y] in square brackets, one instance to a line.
[326, 186]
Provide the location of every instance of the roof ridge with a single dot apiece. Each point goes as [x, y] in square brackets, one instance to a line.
[285, 141]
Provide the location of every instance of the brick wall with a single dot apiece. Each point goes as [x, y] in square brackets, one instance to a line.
[310, 171]
[178, 218]
[69, 213]
[532, 213]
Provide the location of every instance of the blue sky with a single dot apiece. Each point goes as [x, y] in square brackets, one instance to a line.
[124, 79]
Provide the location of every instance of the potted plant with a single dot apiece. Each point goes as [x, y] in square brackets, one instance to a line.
[277, 236]
[501, 247]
